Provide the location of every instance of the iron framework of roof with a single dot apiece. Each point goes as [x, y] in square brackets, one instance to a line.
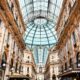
[40, 17]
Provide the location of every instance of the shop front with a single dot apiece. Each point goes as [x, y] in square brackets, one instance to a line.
[72, 75]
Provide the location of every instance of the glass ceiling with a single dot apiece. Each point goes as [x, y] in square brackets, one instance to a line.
[40, 18]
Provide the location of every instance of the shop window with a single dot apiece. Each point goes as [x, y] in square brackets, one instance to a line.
[78, 59]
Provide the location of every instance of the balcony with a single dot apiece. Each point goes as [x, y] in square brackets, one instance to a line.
[73, 69]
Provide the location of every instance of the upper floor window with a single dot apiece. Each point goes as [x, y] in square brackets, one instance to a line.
[27, 69]
[8, 38]
[62, 68]
[72, 2]
[0, 22]
[53, 69]
[69, 7]
[28, 57]
[69, 54]
[16, 67]
[27, 61]
[74, 37]
[70, 63]
[40, 69]
[14, 45]
[65, 66]
[52, 57]
[10, 3]
[11, 64]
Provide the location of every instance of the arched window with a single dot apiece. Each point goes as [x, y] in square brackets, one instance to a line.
[78, 59]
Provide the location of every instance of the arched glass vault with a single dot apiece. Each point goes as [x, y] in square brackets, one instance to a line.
[40, 18]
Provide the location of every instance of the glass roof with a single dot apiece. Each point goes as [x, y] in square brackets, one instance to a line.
[40, 54]
[40, 18]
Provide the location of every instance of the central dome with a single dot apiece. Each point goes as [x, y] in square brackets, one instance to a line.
[40, 17]
[40, 21]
